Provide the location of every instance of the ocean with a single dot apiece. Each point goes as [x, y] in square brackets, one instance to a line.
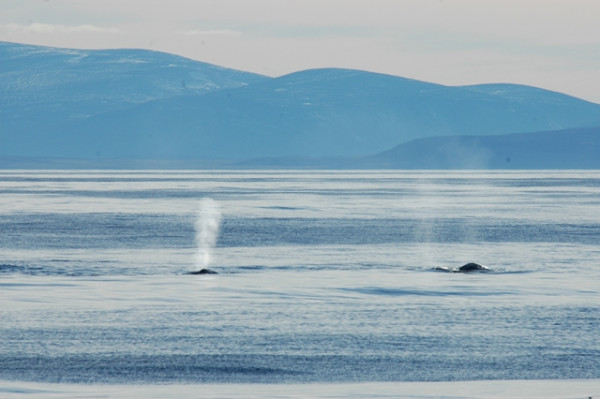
[330, 279]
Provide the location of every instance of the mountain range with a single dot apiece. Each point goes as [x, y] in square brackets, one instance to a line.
[138, 107]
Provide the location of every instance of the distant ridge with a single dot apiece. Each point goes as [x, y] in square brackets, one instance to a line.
[563, 149]
[137, 106]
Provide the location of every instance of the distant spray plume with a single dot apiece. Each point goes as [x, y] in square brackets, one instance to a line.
[207, 227]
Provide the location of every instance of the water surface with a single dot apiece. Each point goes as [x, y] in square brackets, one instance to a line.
[323, 277]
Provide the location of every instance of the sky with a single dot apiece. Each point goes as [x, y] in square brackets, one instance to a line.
[553, 44]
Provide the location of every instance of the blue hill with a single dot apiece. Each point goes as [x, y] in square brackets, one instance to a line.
[563, 149]
[43, 87]
[141, 105]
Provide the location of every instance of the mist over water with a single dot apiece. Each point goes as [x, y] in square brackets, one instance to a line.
[207, 226]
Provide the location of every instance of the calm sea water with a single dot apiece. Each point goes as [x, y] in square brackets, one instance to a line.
[323, 276]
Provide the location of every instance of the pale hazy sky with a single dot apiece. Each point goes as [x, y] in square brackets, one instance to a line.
[554, 44]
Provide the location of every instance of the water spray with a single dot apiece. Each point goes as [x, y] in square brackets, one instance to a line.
[208, 223]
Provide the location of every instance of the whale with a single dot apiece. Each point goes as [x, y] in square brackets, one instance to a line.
[466, 268]
[203, 271]
[473, 267]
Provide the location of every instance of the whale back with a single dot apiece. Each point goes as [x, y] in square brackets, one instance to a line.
[472, 267]
[203, 271]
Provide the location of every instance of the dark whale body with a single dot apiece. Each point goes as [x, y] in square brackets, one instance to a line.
[472, 267]
[203, 271]
[466, 268]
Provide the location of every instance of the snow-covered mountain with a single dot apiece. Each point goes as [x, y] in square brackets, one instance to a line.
[42, 87]
[134, 104]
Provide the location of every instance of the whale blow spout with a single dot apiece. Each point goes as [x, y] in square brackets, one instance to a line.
[203, 271]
